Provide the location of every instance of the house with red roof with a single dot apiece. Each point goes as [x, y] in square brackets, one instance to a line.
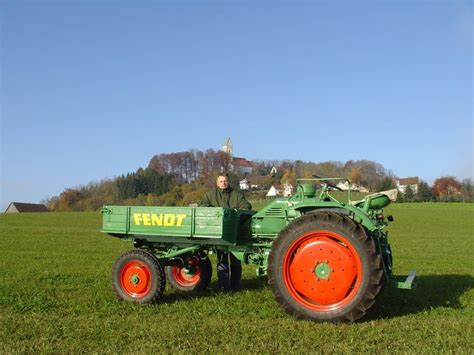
[242, 165]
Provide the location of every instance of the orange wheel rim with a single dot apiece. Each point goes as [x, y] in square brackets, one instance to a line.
[187, 276]
[135, 279]
[322, 271]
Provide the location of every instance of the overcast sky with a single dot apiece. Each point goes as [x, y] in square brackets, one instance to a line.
[94, 89]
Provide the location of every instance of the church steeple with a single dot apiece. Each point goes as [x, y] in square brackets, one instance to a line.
[227, 147]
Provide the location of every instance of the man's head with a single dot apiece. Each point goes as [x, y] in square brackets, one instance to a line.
[222, 182]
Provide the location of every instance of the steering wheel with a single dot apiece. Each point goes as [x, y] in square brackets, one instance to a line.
[328, 183]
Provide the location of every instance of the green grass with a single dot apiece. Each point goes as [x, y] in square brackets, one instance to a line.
[56, 295]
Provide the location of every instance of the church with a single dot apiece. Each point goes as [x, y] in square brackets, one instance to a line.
[238, 165]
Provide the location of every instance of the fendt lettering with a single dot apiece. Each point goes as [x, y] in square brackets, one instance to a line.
[162, 219]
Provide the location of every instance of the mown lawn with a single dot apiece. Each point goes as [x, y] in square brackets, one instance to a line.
[56, 295]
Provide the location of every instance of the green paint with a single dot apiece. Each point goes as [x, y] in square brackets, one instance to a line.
[135, 279]
[190, 271]
[322, 270]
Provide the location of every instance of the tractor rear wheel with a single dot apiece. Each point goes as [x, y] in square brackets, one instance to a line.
[137, 276]
[194, 275]
[324, 267]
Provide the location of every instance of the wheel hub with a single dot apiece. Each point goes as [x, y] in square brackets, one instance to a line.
[322, 270]
[189, 271]
[189, 274]
[135, 279]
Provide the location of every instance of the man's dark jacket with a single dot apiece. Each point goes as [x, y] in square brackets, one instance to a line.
[225, 198]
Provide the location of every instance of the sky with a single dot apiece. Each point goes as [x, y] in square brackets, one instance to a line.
[94, 89]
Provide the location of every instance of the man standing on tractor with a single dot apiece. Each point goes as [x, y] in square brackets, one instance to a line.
[224, 196]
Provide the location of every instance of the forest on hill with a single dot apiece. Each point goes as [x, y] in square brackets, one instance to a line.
[182, 178]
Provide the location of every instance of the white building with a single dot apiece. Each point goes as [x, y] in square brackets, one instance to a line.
[287, 189]
[244, 184]
[402, 184]
[273, 192]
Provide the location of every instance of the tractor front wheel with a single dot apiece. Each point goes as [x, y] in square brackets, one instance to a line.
[324, 267]
[137, 276]
[194, 275]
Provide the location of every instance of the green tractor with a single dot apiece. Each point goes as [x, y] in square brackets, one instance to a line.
[325, 260]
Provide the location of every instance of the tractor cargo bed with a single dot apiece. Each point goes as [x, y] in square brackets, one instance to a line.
[213, 223]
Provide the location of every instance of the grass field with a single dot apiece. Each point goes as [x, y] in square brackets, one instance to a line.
[56, 295]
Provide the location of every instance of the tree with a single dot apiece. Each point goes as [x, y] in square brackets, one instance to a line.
[348, 165]
[52, 203]
[224, 160]
[143, 182]
[289, 177]
[152, 200]
[194, 196]
[446, 187]
[68, 200]
[400, 197]
[355, 175]
[261, 168]
[467, 189]
[424, 193]
[386, 184]
[234, 180]
[409, 195]
[329, 169]
[172, 198]
[372, 173]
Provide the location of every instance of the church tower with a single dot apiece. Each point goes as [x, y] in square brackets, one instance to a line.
[227, 147]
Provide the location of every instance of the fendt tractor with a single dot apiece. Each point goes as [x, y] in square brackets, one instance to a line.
[325, 260]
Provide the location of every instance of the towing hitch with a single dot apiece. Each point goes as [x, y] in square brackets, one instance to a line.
[404, 283]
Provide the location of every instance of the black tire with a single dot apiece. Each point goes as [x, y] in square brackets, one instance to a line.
[195, 276]
[325, 268]
[137, 276]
